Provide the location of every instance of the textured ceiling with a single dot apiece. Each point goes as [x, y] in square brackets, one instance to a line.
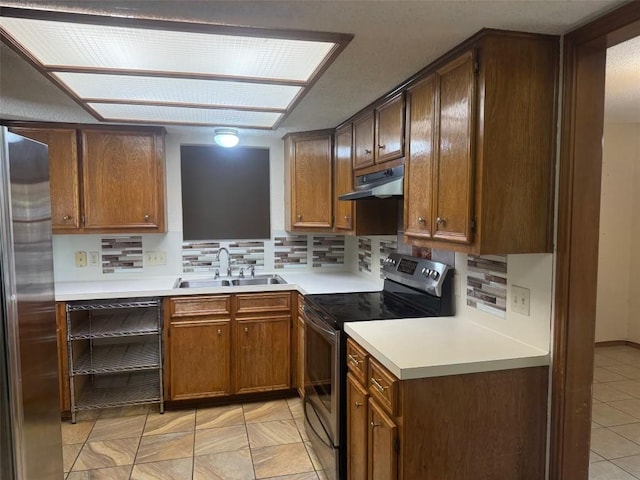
[393, 39]
[622, 89]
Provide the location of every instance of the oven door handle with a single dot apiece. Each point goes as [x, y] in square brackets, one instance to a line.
[317, 324]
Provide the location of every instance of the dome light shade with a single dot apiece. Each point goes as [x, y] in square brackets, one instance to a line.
[226, 137]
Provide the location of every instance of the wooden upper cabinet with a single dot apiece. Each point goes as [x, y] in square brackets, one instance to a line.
[378, 135]
[63, 175]
[123, 180]
[343, 181]
[418, 169]
[308, 170]
[363, 141]
[390, 129]
[479, 172]
[453, 166]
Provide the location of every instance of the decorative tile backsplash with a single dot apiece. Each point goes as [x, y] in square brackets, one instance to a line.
[121, 254]
[201, 256]
[387, 247]
[290, 251]
[487, 283]
[364, 254]
[327, 250]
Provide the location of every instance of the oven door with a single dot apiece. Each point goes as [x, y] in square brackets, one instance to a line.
[322, 371]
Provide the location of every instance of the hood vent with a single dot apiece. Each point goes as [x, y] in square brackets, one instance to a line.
[384, 184]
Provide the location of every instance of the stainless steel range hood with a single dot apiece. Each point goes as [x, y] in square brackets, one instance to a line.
[384, 184]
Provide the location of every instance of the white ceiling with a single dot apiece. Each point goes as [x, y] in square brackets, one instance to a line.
[392, 40]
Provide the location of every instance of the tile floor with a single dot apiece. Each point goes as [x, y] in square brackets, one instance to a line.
[615, 434]
[234, 442]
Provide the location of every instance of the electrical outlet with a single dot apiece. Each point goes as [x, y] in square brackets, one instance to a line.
[81, 259]
[94, 259]
[154, 258]
[520, 300]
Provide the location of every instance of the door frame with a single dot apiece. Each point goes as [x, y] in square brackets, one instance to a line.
[580, 171]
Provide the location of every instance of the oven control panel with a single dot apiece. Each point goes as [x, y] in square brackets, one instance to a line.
[416, 272]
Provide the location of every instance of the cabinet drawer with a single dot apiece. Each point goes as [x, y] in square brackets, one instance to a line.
[263, 303]
[357, 360]
[383, 386]
[195, 306]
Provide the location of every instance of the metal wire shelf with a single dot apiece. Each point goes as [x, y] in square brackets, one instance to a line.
[116, 303]
[118, 358]
[123, 324]
[119, 390]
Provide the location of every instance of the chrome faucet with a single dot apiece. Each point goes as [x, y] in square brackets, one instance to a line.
[228, 259]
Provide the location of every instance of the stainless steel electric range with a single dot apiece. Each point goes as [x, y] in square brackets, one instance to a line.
[413, 287]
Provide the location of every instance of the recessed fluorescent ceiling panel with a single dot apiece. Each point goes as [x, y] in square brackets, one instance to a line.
[152, 71]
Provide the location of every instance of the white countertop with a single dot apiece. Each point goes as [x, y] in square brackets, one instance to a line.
[434, 347]
[304, 282]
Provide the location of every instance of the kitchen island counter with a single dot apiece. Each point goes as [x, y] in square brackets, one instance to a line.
[433, 347]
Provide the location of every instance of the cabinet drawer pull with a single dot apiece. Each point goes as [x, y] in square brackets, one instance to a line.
[421, 220]
[382, 147]
[381, 388]
[66, 218]
[299, 217]
[147, 217]
[246, 329]
[367, 151]
[354, 360]
[219, 331]
[347, 217]
[440, 221]
[358, 404]
[373, 424]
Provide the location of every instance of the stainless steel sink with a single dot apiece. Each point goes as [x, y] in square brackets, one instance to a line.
[228, 282]
[203, 283]
[259, 280]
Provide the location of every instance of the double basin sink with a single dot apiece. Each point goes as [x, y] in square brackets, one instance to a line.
[230, 282]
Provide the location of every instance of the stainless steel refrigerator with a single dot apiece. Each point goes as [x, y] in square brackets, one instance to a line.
[30, 437]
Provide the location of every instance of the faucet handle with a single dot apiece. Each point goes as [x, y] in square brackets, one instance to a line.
[217, 273]
[252, 269]
[241, 274]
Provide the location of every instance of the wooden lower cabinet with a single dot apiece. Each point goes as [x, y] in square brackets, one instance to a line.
[220, 345]
[262, 354]
[200, 352]
[488, 425]
[357, 429]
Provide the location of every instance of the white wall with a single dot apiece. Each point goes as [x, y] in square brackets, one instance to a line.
[619, 257]
[65, 246]
[535, 272]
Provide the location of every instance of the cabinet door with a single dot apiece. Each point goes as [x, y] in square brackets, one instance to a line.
[311, 197]
[382, 454]
[200, 358]
[390, 130]
[343, 179]
[262, 361]
[123, 180]
[357, 418]
[418, 195]
[454, 168]
[63, 175]
[363, 155]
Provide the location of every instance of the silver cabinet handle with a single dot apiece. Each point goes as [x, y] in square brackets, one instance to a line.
[382, 147]
[219, 331]
[440, 221]
[66, 218]
[347, 217]
[299, 217]
[373, 424]
[367, 151]
[246, 329]
[147, 217]
[421, 220]
[358, 404]
[376, 384]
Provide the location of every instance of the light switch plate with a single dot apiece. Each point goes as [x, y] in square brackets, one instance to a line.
[154, 258]
[81, 259]
[520, 300]
[94, 259]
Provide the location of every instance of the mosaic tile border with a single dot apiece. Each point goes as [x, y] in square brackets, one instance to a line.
[487, 283]
[121, 254]
[387, 247]
[327, 250]
[201, 256]
[364, 254]
[290, 251]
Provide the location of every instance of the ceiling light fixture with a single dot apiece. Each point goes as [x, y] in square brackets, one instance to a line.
[226, 137]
